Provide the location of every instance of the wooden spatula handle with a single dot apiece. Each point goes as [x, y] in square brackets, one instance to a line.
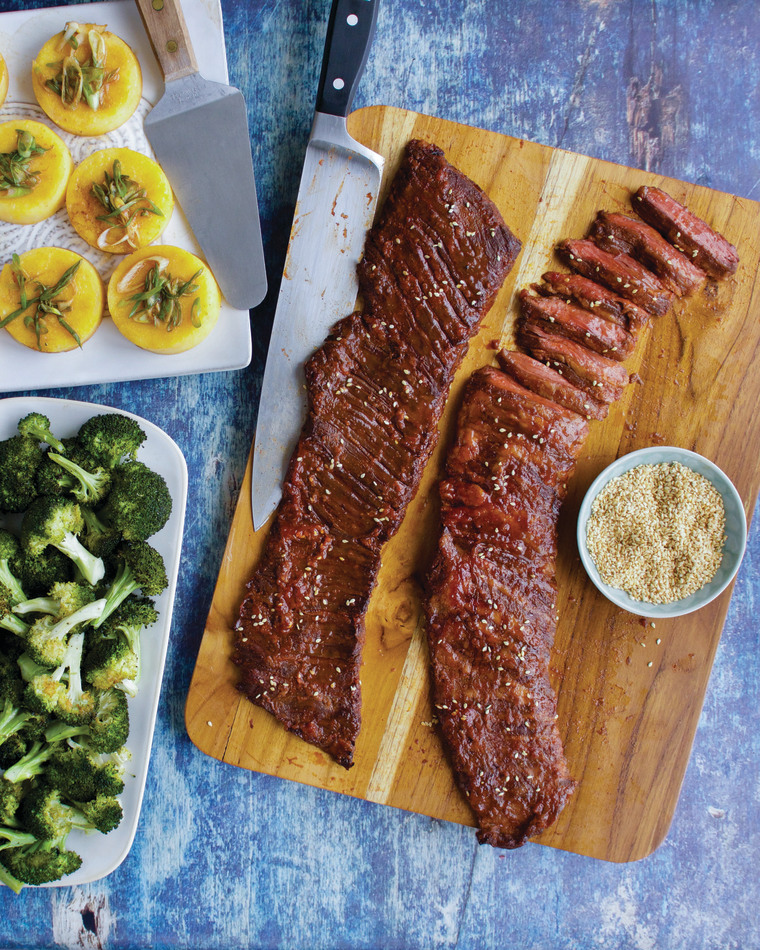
[169, 37]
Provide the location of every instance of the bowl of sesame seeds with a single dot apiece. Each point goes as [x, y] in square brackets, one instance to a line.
[661, 531]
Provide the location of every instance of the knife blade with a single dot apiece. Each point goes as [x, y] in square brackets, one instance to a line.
[334, 209]
[199, 132]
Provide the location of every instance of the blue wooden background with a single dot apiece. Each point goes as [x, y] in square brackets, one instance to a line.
[226, 858]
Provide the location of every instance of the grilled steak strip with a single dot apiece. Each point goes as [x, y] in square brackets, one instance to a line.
[619, 233]
[621, 273]
[491, 605]
[432, 266]
[705, 247]
[557, 316]
[592, 296]
[598, 376]
[547, 382]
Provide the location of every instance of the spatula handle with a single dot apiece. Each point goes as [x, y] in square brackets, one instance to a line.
[349, 36]
[169, 37]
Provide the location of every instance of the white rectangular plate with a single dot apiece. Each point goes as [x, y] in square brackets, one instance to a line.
[108, 356]
[102, 854]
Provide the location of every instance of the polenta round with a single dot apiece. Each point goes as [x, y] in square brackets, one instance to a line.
[119, 200]
[164, 299]
[42, 167]
[64, 294]
[87, 80]
[3, 80]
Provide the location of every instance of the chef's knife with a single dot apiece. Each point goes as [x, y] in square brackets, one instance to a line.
[334, 209]
[199, 132]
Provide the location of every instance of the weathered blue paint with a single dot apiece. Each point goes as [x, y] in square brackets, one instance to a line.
[226, 858]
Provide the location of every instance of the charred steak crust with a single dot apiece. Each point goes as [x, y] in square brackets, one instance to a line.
[432, 266]
[491, 605]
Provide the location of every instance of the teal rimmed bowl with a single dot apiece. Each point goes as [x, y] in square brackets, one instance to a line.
[735, 530]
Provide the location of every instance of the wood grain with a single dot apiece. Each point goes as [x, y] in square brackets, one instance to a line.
[628, 725]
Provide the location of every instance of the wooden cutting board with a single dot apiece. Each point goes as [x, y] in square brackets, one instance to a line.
[630, 693]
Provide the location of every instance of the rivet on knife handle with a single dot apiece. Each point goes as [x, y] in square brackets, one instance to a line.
[349, 37]
[169, 37]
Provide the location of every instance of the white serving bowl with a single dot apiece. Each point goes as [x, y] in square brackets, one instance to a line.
[735, 530]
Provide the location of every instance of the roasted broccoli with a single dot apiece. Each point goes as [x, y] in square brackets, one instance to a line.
[139, 567]
[32, 764]
[88, 486]
[57, 522]
[97, 537]
[39, 572]
[49, 817]
[8, 619]
[36, 426]
[37, 863]
[138, 504]
[115, 660]
[48, 692]
[111, 438]
[47, 639]
[11, 794]
[20, 457]
[63, 598]
[10, 554]
[108, 729]
[79, 776]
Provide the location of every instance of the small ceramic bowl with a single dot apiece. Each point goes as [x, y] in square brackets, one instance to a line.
[735, 530]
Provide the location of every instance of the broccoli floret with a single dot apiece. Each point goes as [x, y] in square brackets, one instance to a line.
[14, 837]
[112, 662]
[108, 729]
[98, 537]
[20, 458]
[8, 619]
[37, 863]
[13, 749]
[37, 426]
[32, 763]
[79, 777]
[47, 640]
[139, 503]
[57, 522]
[47, 693]
[63, 599]
[39, 572]
[139, 567]
[115, 660]
[11, 794]
[13, 718]
[111, 437]
[89, 486]
[48, 816]
[10, 554]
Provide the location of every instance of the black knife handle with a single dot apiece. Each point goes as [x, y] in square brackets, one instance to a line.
[349, 36]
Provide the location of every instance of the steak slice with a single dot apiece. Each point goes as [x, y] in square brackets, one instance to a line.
[704, 246]
[491, 605]
[592, 296]
[432, 266]
[557, 316]
[621, 273]
[598, 376]
[547, 382]
[621, 234]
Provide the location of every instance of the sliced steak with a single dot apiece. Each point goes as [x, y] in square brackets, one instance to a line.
[621, 273]
[598, 376]
[619, 233]
[547, 382]
[593, 296]
[554, 314]
[704, 246]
